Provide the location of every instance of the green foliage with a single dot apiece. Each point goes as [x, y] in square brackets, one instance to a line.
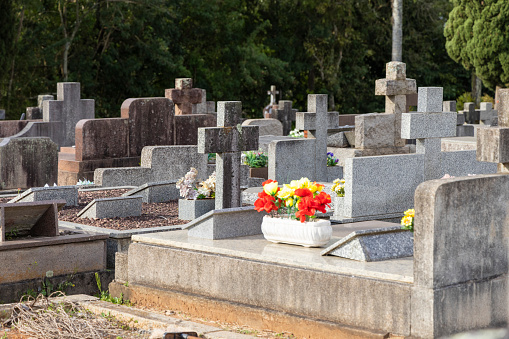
[106, 296]
[465, 97]
[478, 38]
[255, 159]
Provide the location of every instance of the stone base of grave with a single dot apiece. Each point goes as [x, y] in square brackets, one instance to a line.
[82, 283]
[392, 217]
[226, 223]
[343, 153]
[70, 170]
[35, 257]
[459, 144]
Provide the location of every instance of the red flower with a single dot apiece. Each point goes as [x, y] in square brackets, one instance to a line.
[265, 202]
[303, 192]
[267, 182]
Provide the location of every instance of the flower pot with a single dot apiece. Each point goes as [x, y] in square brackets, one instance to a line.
[262, 172]
[288, 231]
[192, 209]
[339, 203]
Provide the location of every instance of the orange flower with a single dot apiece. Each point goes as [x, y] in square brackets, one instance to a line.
[265, 202]
[303, 192]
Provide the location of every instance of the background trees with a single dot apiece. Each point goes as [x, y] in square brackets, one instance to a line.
[235, 49]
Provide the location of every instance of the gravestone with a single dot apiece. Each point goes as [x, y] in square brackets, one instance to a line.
[34, 113]
[317, 121]
[286, 114]
[428, 126]
[29, 219]
[119, 207]
[228, 140]
[201, 107]
[493, 142]
[67, 110]
[487, 113]
[266, 126]
[152, 192]
[269, 110]
[184, 96]
[67, 193]
[471, 115]
[2, 114]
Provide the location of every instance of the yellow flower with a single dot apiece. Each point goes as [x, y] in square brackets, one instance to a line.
[270, 188]
[304, 183]
[410, 213]
[289, 202]
[294, 184]
[286, 192]
[406, 221]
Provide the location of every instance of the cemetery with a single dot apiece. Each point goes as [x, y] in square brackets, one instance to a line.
[325, 213]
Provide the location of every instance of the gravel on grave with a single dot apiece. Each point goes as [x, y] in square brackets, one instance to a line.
[152, 215]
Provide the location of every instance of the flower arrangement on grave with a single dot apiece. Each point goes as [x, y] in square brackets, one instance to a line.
[254, 159]
[331, 159]
[338, 187]
[296, 133]
[189, 190]
[407, 221]
[299, 200]
[84, 182]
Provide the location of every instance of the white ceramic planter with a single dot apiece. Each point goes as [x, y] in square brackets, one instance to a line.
[288, 231]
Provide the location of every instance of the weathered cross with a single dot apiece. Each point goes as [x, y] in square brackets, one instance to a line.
[68, 109]
[428, 126]
[493, 142]
[317, 121]
[471, 115]
[184, 96]
[286, 114]
[228, 140]
[395, 87]
[272, 94]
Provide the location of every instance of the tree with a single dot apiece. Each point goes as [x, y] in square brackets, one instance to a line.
[478, 37]
[397, 30]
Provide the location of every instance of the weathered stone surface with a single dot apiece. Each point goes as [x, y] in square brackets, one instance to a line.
[395, 87]
[266, 126]
[487, 113]
[11, 127]
[68, 109]
[120, 207]
[374, 130]
[459, 144]
[493, 144]
[471, 115]
[156, 192]
[30, 219]
[67, 193]
[228, 139]
[459, 249]
[28, 162]
[428, 125]
[286, 114]
[186, 127]
[102, 138]
[347, 119]
[503, 107]
[184, 96]
[192, 209]
[337, 140]
[449, 106]
[374, 245]
[149, 119]
[289, 160]
[33, 113]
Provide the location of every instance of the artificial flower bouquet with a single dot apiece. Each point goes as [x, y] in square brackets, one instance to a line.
[338, 187]
[407, 221]
[331, 159]
[189, 191]
[300, 199]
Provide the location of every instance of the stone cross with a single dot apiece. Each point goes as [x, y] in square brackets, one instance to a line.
[286, 114]
[493, 142]
[184, 96]
[272, 94]
[228, 140]
[428, 126]
[317, 121]
[67, 110]
[487, 113]
[471, 115]
[395, 87]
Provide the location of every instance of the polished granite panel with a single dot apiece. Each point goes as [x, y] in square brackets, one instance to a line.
[257, 248]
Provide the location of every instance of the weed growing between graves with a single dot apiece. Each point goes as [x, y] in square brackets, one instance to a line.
[254, 159]
[106, 296]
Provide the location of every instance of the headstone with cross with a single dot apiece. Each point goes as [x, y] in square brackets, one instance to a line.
[470, 113]
[184, 96]
[228, 140]
[428, 126]
[269, 112]
[487, 113]
[286, 114]
[67, 110]
[317, 121]
[493, 142]
[273, 92]
[395, 87]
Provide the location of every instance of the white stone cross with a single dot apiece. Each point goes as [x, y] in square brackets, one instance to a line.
[272, 94]
[428, 126]
[67, 110]
[317, 121]
[228, 140]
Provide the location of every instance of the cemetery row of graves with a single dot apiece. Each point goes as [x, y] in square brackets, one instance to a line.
[317, 223]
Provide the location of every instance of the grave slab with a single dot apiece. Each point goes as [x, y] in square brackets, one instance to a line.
[154, 192]
[226, 223]
[67, 193]
[374, 245]
[120, 207]
[266, 126]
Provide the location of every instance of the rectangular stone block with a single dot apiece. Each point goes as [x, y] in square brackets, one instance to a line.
[461, 119]
[227, 139]
[493, 144]
[192, 209]
[374, 130]
[67, 193]
[428, 125]
[102, 138]
[186, 127]
[394, 87]
[154, 192]
[307, 121]
[430, 99]
[290, 160]
[120, 207]
[449, 106]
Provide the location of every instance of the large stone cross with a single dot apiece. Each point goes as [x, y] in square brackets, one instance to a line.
[228, 140]
[68, 109]
[395, 87]
[428, 126]
[272, 94]
[493, 142]
[184, 96]
[317, 121]
[286, 114]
